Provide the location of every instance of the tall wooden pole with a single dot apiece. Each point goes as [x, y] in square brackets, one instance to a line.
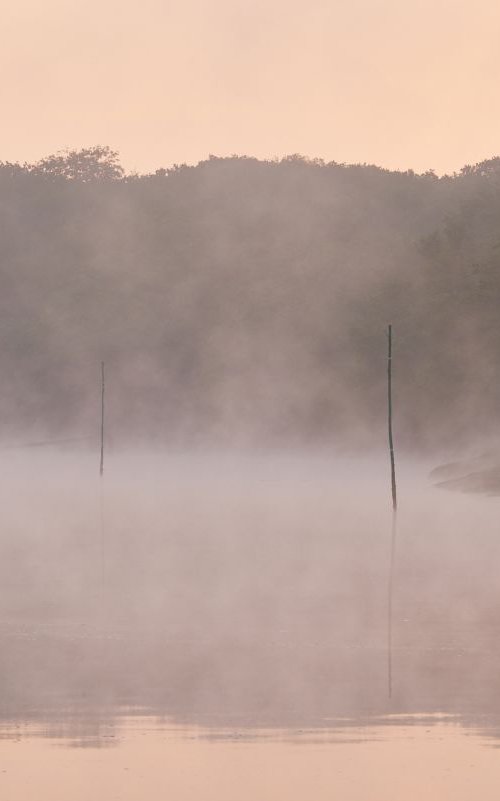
[394, 513]
[391, 441]
[101, 498]
[101, 466]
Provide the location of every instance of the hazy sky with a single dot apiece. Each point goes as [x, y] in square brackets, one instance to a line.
[400, 83]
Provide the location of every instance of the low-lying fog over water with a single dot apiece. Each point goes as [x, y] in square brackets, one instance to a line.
[215, 626]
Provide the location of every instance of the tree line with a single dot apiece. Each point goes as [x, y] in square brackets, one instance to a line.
[242, 301]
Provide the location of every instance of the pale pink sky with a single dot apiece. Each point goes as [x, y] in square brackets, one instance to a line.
[400, 83]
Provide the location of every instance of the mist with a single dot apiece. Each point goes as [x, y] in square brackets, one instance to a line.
[229, 571]
[242, 303]
[245, 591]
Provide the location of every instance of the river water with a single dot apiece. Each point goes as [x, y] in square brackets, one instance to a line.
[215, 627]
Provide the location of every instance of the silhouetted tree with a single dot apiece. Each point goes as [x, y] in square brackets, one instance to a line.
[96, 163]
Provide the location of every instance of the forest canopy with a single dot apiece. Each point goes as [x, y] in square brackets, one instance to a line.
[244, 302]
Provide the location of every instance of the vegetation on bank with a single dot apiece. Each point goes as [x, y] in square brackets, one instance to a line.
[245, 301]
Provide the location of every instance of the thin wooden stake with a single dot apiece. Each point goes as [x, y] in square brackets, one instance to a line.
[394, 514]
[101, 467]
[391, 442]
[101, 497]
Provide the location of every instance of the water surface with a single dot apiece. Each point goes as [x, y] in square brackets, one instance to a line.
[216, 627]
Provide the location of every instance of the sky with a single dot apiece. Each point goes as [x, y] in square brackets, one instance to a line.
[399, 83]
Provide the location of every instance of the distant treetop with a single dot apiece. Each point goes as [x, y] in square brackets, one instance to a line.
[96, 163]
[484, 168]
